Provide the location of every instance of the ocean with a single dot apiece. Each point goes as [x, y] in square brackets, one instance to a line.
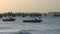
[49, 25]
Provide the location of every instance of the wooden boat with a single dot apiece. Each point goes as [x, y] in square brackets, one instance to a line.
[9, 19]
[32, 20]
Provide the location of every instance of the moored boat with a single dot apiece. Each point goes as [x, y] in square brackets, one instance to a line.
[9, 19]
[35, 20]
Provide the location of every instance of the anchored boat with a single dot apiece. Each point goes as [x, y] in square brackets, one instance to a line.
[9, 19]
[35, 20]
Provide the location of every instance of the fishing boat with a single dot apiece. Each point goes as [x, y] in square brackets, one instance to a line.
[9, 19]
[33, 20]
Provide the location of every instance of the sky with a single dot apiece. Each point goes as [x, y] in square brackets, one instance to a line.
[29, 6]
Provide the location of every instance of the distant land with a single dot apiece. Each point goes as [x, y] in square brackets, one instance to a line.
[30, 14]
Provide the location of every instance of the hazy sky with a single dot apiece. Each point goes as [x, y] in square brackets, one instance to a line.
[29, 5]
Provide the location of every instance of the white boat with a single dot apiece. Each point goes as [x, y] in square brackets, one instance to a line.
[9, 19]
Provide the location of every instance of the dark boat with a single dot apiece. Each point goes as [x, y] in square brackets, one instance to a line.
[57, 15]
[9, 19]
[34, 21]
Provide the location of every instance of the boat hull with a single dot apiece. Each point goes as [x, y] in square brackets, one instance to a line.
[9, 19]
[32, 21]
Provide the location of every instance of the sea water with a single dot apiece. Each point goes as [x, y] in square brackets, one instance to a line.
[49, 25]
